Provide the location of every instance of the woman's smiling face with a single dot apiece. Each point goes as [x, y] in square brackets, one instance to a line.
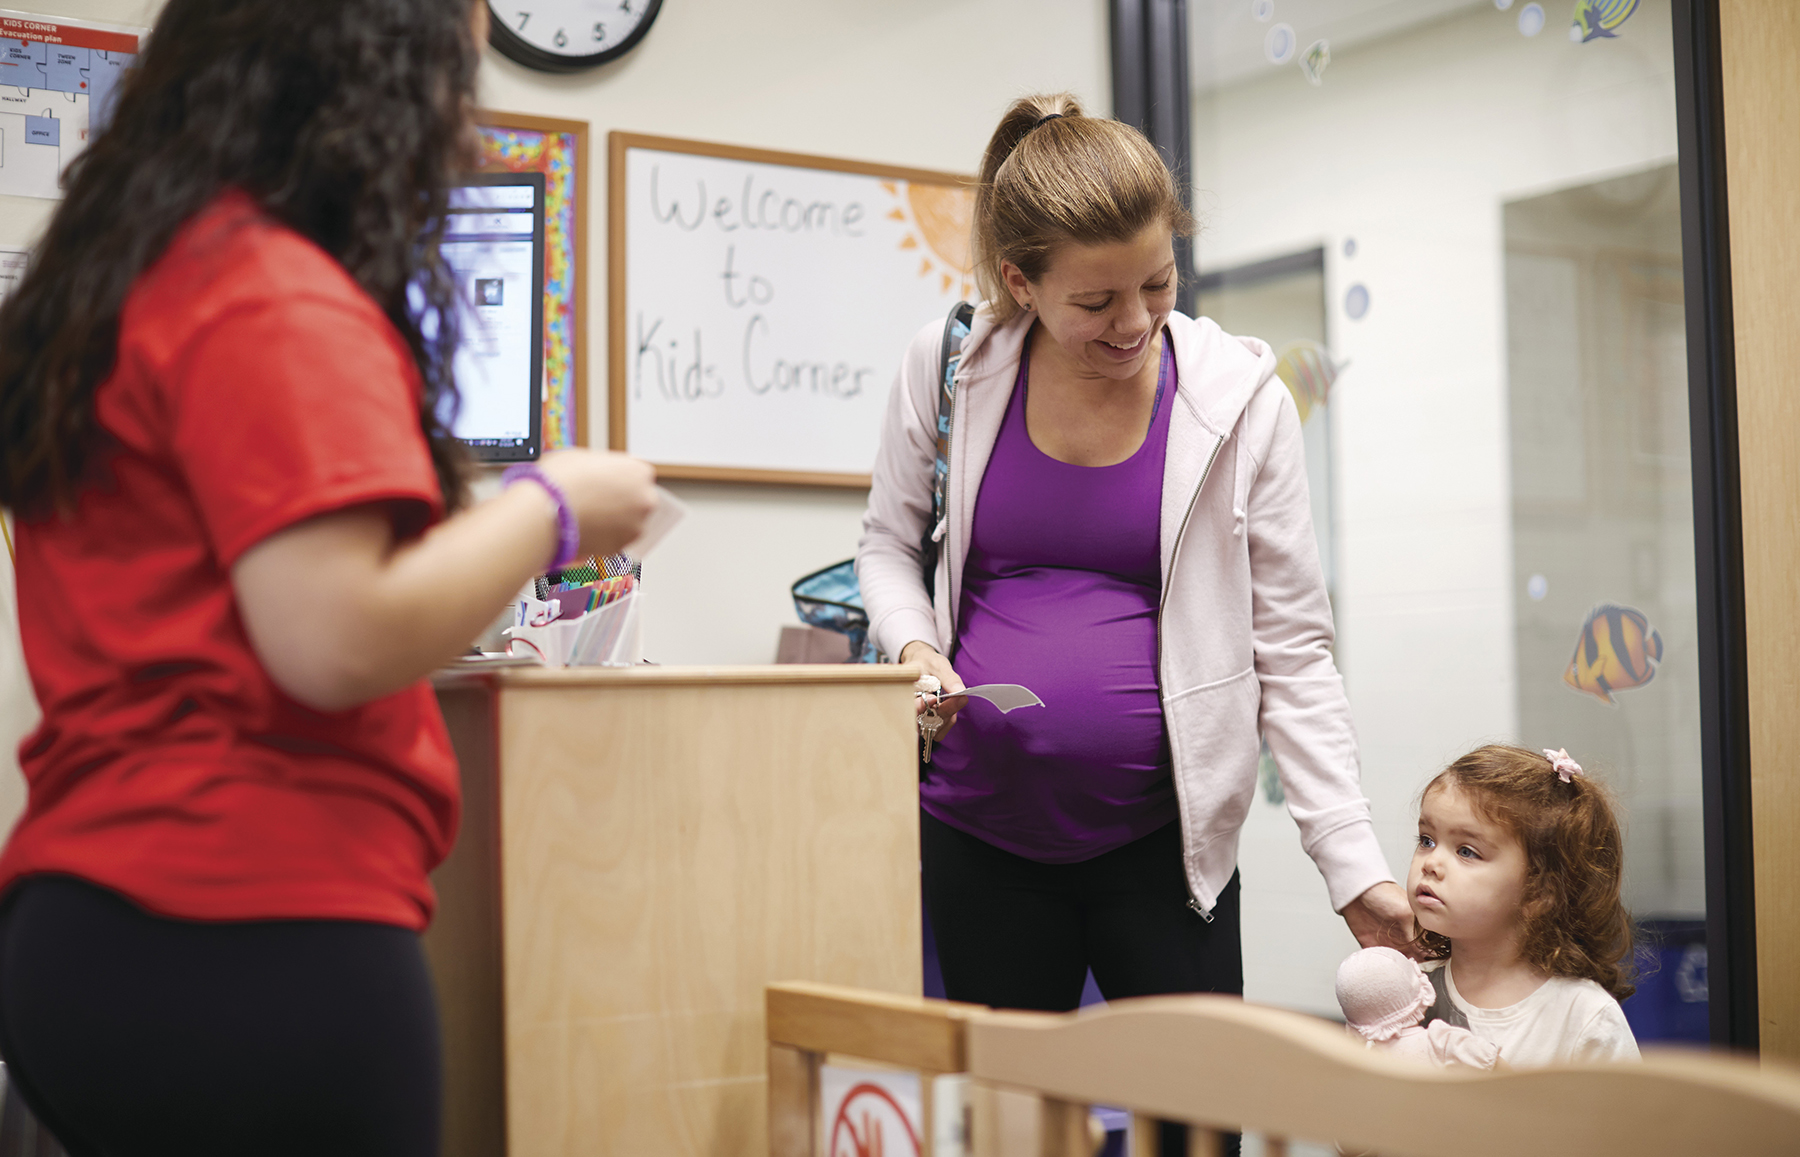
[1467, 879]
[1104, 304]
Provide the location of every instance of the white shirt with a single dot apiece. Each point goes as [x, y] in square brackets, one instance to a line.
[1564, 1021]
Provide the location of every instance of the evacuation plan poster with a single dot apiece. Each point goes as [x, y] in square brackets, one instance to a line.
[57, 81]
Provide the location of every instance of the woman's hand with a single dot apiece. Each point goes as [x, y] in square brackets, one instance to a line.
[339, 612]
[931, 663]
[612, 494]
[1381, 917]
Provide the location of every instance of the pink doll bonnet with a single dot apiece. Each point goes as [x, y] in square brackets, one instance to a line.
[1382, 993]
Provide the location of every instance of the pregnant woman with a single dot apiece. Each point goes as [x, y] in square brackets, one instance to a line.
[1127, 532]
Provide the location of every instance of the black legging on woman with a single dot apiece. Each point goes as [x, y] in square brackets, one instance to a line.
[1015, 933]
[130, 1034]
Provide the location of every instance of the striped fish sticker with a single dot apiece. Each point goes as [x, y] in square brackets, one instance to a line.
[1618, 650]
[1598, 18]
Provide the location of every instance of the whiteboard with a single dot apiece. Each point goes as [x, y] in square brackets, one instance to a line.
[760, 304]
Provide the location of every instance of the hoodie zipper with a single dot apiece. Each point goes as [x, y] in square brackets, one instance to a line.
[940, 533]
[1162, 605]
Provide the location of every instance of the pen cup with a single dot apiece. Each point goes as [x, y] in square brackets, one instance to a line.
[608, 636]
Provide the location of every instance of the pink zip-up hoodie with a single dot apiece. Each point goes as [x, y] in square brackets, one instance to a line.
[1244, 632]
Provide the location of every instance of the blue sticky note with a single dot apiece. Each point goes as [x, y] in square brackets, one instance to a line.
[43, 131]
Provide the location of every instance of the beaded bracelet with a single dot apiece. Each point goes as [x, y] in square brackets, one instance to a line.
[568, 532]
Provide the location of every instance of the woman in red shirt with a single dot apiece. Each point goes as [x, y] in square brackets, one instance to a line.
[242, 545]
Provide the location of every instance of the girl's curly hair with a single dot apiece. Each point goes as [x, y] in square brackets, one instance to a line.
[346, 121]
[1573, 920]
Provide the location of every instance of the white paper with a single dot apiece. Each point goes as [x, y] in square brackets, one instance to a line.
[669, 511]
[1006, 696]
[869, 1111]
[950, 1115]
[608, 636]
[12, 270]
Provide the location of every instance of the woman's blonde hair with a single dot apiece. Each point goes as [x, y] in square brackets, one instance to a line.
[1076, 178]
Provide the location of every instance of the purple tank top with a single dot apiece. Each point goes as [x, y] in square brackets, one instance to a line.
[1060, 593]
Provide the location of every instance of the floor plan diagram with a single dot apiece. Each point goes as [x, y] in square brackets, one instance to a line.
[57, 82]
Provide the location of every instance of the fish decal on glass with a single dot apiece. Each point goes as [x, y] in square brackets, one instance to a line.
[1307, 370]
[1598, 18]
[1618, 650]
[1314, 60]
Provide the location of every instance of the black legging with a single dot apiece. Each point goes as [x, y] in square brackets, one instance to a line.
[1015, 933]
[131, 1034]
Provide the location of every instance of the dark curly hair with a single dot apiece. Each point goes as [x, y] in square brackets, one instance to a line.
[344, 119]
[1574, 922]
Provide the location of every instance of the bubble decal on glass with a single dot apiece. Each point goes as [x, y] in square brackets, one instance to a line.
[1279, 45]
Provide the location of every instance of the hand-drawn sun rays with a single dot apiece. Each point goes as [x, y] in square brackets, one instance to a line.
[938, 220]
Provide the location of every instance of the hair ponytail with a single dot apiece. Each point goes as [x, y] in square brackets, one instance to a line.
[1053, 175]
[1025, 114]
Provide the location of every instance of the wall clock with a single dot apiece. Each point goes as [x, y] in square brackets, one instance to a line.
[568, 35]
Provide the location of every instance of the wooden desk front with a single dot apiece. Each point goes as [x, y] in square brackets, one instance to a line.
[642, 850]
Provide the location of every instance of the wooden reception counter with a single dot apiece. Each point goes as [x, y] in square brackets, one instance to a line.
[641, 851]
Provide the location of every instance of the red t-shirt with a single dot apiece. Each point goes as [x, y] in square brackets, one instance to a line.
[256, 386]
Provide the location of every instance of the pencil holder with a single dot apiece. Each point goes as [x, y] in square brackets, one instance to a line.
[608, 636]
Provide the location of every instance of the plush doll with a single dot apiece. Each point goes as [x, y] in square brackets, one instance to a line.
[1384, 995]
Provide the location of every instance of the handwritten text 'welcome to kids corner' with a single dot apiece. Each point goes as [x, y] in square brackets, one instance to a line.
[680, 370]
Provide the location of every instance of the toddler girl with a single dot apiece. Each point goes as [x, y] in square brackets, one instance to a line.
[1515, 885]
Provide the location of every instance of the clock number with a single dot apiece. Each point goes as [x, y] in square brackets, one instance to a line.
[572, 35]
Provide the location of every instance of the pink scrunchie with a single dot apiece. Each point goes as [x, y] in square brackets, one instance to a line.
[1566, 768]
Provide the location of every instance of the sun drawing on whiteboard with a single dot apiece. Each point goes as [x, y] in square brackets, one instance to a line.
[938, 219]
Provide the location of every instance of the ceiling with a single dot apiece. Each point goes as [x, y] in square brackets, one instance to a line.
[1226, 41]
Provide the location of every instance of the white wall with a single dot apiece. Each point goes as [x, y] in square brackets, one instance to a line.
[1410, 147]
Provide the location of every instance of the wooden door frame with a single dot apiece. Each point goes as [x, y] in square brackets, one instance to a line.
[1738, 103]
[1718, 526]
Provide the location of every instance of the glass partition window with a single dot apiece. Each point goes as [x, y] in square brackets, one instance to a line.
[1500, 461]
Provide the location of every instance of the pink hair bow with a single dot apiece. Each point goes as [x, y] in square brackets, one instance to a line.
[1566, 768]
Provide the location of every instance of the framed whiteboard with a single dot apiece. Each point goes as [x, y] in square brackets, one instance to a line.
[760, 303]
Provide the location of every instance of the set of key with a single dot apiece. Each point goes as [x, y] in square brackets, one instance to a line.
[1007, 697]
[930, 723]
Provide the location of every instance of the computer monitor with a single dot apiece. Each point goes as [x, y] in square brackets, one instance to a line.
[494, 242]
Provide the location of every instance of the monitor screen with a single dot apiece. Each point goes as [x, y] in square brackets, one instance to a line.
[494, 242]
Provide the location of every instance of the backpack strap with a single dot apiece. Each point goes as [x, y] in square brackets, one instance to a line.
[956, 332]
